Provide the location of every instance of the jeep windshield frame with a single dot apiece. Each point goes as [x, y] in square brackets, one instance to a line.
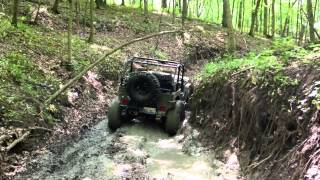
[178, 67]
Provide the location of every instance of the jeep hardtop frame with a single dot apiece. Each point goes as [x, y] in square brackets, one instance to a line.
[178, 75]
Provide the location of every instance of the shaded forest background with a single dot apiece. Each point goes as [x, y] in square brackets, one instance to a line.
[299, 19]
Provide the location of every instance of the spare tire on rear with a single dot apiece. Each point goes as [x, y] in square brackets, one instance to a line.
[143, 87]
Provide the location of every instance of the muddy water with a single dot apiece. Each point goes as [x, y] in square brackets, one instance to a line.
[135, 151]
[165, 156]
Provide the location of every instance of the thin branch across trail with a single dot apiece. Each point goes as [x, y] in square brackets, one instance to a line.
[15, 142]
[101, 59]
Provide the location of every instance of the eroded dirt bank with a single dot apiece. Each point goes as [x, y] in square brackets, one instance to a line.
[135, 151]
[274, 129]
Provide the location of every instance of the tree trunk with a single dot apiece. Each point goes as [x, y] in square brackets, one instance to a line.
[232, 10]
[237, 17]
[173, 10]
[227, 19]
[197, 8]
[145, 8]
[226, 14]
[164, 4]
[78, 15]
[288, 20]
[15, 10]
[265, 18]
[100, 4]
[35, 21]
[243, 15]
[240, 15]
[311, 21]
[273, 19]
[301, 34]
[260, 21]
[84, 20]
[56, 6]
[280, 25]
[218, 10]
[285, 27]
[184, 12]
[315, 9]
[254, 18]
[297, 21]
[122, 3]
[70, 31]
[180, 6]
[90, 40]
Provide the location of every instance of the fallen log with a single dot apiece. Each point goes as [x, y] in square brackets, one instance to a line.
[23, 137]
[101, 59]
[15, 142]
[3, 138]
[40, 128]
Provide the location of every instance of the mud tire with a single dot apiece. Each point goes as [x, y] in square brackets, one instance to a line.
[143, 87]
[174, 118]
[114, 117]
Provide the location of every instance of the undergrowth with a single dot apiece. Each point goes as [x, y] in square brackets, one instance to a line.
[31, 69]
[265, 70]
[23, 86]
[273, 60]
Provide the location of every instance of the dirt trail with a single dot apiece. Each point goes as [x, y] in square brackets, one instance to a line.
[135, 151]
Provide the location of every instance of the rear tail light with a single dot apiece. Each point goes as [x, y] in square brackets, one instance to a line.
[125, 101]
[162, 108]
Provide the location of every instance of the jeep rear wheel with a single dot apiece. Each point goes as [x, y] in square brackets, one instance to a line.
[114, 118]
[174, 118]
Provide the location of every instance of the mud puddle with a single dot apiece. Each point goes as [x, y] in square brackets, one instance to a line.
[165, 156]
[135, 151]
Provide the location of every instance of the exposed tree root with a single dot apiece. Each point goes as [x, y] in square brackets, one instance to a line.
[3, 138]
[15, 142]
[270, 138]
[22, 138]
[40, 128]
[256, 164]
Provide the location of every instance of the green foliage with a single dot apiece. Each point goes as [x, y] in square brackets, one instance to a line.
[5, 26]
[79, 64]
[316, 101]
[224, 67]
[140, 27]
[111, 67]
[159, 54]
[283, 43]
[17, 67]
[265, 69]
[21, 80]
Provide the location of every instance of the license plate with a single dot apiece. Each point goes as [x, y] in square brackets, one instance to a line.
[149, 110]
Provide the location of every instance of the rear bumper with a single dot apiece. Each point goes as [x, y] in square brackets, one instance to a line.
[133, 112]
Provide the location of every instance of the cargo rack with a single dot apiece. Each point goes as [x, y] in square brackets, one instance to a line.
[179, 74]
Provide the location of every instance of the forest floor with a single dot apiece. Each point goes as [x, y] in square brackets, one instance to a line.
[79, 145]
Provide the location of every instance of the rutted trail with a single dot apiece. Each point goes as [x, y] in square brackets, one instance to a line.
[166, 158]
[135, 151]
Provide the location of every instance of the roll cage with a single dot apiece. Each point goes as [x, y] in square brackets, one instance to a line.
[178, 73]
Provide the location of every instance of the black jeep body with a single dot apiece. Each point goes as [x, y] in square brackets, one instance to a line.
[152, 88]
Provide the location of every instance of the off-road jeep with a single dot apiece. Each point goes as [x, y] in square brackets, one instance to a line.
[151, 88]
